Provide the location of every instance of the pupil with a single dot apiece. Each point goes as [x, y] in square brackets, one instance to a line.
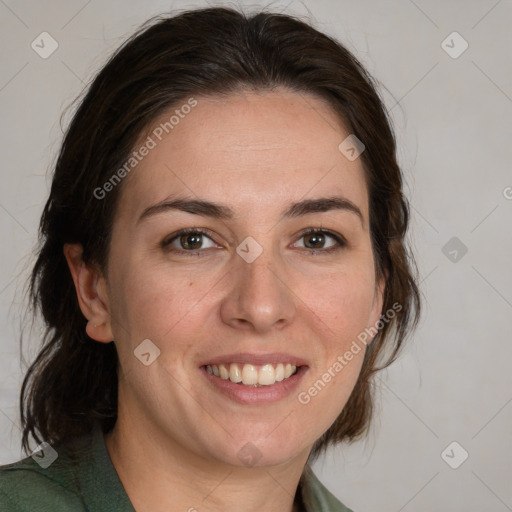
[191, 240]
[315, 239]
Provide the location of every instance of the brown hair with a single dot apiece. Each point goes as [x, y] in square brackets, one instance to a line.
[73, 381]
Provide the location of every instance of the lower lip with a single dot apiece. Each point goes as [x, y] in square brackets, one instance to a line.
[256, 395]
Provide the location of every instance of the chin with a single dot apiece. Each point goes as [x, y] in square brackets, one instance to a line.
[250, 451]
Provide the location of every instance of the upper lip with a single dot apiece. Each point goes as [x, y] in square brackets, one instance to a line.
[256, 359]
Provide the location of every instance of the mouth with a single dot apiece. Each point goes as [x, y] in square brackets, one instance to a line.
[254, 378]
[252, 375]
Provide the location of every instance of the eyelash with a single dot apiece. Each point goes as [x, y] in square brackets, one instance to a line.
[340, 241]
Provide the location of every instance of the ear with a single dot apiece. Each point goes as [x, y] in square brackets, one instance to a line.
[91, 291]
[378, 302]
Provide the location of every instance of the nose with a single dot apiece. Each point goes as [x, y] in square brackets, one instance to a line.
[259, 299]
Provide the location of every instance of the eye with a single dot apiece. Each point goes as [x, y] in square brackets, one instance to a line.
[191, 241]
[188, 240]
[318, 239]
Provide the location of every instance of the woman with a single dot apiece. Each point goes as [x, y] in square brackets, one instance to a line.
[222, 270]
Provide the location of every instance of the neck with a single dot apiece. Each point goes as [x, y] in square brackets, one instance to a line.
[160, 475]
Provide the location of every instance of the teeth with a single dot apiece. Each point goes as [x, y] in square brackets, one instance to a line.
[279, 372]
[223, 371]
[250, 375]
[267, 375]
[235, 375]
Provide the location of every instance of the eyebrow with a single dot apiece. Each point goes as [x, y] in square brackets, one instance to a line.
[223, 212]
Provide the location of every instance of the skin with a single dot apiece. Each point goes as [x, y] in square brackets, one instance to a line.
[176, 440]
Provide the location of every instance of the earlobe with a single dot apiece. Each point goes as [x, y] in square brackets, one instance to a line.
[91, 294]
[99, 332]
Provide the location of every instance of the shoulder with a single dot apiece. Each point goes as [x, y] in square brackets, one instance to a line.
[46, 481]
[316, 497]
[76, 475]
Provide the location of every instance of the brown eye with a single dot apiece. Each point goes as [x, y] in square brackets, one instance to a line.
[188, 241]
[314, 240]
[321, 240]
[191, 240]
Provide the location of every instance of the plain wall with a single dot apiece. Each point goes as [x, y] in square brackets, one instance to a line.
[453, 125]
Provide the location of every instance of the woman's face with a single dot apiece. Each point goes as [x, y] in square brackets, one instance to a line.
[251, 291]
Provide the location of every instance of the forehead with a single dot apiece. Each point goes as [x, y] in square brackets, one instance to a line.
[255, 150]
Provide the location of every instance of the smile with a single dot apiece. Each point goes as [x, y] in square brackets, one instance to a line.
[252, 375]
[254, 378]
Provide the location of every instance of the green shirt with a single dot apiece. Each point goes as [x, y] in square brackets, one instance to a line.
[83, 478]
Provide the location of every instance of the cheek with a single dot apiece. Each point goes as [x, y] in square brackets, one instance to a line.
[151, 302]
[343, 303]
[343, 308]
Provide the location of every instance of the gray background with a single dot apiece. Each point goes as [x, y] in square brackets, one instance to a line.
[453, 122]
